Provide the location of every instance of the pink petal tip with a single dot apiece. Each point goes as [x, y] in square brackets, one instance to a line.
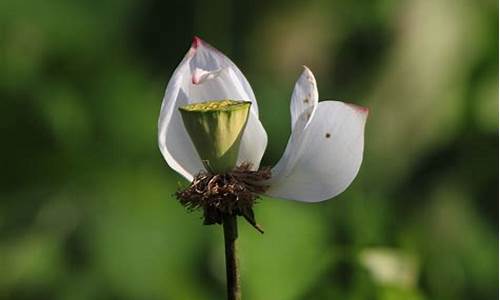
[361, 109]
[196, 42]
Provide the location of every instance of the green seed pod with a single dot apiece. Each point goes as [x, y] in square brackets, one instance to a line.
[215, 128]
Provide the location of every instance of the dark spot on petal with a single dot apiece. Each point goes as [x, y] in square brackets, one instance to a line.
[327, 135]
[306, 100]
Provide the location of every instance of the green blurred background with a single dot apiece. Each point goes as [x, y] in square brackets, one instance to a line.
[86, 208]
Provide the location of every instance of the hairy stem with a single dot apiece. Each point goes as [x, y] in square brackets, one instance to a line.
[232, 266]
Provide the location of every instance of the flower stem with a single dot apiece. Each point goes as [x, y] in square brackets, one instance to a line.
[232, 265]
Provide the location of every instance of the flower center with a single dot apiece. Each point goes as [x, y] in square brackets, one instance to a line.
[215, 128]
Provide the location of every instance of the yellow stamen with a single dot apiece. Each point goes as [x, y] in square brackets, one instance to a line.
[214, 105]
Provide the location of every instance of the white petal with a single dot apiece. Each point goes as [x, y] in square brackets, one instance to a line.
[200, 75]
[253, 142]
[301, 112]
[210, 59]
[177, 147]
[219, 84]
[305, 95]
[204, 74]
[323, 158]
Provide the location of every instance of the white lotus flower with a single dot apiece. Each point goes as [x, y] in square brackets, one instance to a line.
[323, 154]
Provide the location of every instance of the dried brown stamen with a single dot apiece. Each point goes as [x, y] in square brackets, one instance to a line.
[232, 193]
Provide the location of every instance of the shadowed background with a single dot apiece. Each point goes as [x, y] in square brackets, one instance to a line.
[86, 208]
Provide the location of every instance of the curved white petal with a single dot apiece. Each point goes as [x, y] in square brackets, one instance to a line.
[204, 74]
[214, 85]
[210, 59]
[323, 157]
[301, 113]
[176, 145]
[305, 95]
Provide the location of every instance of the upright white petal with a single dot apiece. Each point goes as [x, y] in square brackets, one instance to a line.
[210, 59]
[323, 157]
[173, 141]
[302, 108]
[305, 96]
[204, 74]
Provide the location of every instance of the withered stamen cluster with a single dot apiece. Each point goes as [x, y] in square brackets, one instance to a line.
[234, 193]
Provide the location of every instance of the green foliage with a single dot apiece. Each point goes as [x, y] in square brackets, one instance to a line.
[87, 208]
